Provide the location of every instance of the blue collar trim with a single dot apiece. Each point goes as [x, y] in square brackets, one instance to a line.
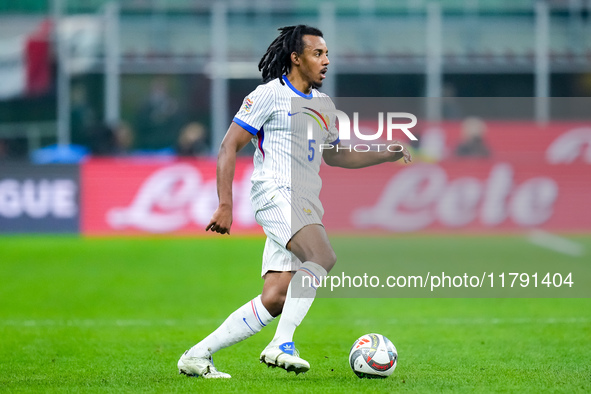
[307, 96]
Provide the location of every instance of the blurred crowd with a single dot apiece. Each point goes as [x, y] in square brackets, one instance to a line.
[160, 125]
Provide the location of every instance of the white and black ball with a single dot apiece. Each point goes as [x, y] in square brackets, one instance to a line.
[373, 356]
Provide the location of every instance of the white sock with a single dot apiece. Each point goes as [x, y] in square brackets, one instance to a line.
[298, 300]
[244, 322]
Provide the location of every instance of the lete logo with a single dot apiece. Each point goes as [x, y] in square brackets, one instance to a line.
[569, 146]
[418, 196]
[173, 197]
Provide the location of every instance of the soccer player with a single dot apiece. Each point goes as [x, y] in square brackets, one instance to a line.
[294, 65]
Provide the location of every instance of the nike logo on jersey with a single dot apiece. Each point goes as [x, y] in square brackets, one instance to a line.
[290, 114]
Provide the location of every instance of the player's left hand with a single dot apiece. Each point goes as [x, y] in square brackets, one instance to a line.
[404, 154]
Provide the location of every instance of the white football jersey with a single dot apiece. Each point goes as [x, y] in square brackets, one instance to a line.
[285, 156]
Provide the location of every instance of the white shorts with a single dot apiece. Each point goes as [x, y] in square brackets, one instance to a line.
[282, 214]
[277, 258]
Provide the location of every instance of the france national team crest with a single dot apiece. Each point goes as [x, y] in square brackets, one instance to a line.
[247, 105]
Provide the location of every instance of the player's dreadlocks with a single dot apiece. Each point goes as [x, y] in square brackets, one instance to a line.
[277, 60]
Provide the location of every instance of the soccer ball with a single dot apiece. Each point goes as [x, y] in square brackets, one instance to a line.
[373, 356]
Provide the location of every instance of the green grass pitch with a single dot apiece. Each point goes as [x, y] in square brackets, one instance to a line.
[113, 315]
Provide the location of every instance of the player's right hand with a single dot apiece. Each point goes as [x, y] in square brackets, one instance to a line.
[221, 220]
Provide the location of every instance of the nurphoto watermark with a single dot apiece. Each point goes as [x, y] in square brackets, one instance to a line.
[344, 129]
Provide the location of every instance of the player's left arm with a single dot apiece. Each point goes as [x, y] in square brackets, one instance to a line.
[351, 159]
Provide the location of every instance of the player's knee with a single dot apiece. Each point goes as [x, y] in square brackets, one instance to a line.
[327, 259]
[331, 260]
[273, 301]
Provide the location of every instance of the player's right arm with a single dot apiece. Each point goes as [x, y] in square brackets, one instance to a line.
[236, 138]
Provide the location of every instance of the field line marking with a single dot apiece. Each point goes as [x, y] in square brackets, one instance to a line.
[489, 321]
[90, 323]
[102, 322]
[553, 242]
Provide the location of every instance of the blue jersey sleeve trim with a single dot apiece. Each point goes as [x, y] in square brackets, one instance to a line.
[245, 126]
[336, 142]
[307, 96]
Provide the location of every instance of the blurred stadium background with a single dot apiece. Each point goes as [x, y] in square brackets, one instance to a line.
[81, 80]
[111, 114]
